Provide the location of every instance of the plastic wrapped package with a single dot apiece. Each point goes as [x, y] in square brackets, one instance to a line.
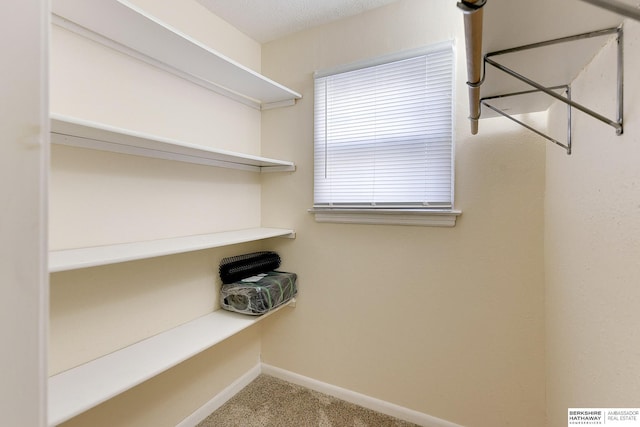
[259, 294]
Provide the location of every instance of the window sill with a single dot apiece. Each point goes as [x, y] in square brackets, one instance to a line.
[428, 218]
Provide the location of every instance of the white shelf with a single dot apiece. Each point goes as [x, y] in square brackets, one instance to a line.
[71, 259]
[97, 136]
[79, 389]
[123, 26]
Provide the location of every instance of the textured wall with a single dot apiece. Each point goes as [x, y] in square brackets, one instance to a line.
[446, 321]
[592, 246]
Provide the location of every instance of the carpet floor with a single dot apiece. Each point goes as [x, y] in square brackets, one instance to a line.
[271, 402]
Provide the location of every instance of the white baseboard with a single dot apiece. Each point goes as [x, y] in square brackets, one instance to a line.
[358, 399]
[347, 395]
[221, 398]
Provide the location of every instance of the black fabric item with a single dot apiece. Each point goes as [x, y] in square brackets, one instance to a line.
[233, 269]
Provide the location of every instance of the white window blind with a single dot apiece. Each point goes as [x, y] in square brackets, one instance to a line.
[383, 135]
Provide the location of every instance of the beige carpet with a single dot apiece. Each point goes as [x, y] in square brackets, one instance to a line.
[271, 402]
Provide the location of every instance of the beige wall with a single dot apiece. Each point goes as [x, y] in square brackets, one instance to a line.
[592, 247]
[23, 238]
[449, 322]
[195, 20]
[446, 321]
[167, 399]
[99, 198]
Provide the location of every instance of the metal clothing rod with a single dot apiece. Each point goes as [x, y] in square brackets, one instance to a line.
[473, 13]
[617, 125]
[617, 7]
[566, 146]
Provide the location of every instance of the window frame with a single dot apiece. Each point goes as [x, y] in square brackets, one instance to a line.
[395, 214]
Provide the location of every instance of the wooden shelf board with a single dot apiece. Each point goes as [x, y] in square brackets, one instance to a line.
[81, 388]
[97, 136]
[71, 259]
[124, 26]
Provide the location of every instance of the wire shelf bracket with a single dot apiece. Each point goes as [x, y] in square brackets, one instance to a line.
[617, 124]
[567, 89]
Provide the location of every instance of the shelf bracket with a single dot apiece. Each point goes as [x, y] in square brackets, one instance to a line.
[616, 124]
[567, 90]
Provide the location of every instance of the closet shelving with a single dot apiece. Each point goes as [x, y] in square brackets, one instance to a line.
[86, 386]
[97, 136]
[72, 259]
[122, 26]
[83, 387]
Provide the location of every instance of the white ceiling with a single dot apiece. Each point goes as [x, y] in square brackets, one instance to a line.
[507, 23]
[267, 20]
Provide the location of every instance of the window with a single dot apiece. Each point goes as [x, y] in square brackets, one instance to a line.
[383, 141]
